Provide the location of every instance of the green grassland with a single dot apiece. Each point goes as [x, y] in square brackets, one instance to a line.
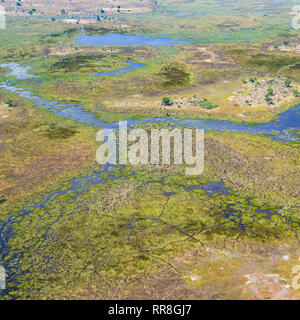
[24, 39]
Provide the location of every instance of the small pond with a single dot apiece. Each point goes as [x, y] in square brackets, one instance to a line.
[117, 39]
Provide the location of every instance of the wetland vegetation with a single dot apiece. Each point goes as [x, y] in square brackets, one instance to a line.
[71, 229]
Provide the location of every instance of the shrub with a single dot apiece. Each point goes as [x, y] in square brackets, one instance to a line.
[296, 93]
[207, 105]
[10, 103]
[269, 100]
[270, 92]
[287, 83]
[54, 132]
[167, 101]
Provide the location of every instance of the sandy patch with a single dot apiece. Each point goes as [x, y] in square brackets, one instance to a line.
[4, 111]
[263, 92]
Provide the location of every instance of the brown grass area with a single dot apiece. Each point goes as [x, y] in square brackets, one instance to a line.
[256, 167]
[4, 111]
[32, 153]
[27, 176]
[250, 271]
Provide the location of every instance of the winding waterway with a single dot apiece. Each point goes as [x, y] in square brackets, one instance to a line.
[282, 129]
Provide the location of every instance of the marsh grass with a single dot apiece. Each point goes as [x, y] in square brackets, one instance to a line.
[175, 74]
[143, 230]
[84, 65]
[109, 240]
[54, 132]
[274, 64]
[34, 143]
[30, 39]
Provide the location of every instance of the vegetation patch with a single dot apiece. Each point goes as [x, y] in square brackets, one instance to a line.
[56, 132]
[275, 64]
[84, 65]
[175, 74]
[195, 101]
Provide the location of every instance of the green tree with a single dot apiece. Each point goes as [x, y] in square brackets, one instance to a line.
[10, 103]
[167, 101]
[270, 92]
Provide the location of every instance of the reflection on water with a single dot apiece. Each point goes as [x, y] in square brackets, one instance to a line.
[116, 39]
